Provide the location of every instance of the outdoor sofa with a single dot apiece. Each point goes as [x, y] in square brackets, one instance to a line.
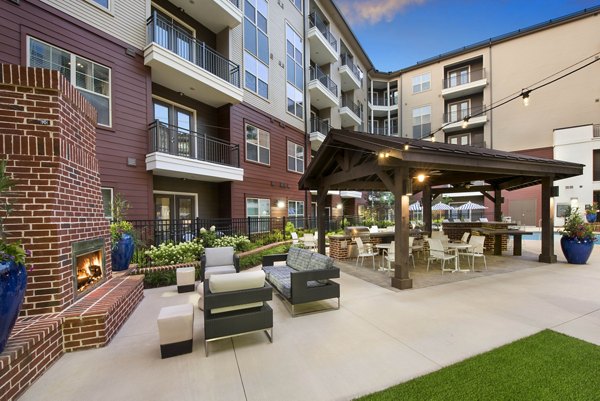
[305, 277]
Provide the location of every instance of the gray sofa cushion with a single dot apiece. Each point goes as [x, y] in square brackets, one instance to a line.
[221, 256]
[301, 261]
[292, 255]
[319, 262]
[218, 270]
[281, 278]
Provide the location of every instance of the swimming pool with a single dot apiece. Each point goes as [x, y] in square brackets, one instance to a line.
[538, 236]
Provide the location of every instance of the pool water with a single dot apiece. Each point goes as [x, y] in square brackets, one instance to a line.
[538, 236]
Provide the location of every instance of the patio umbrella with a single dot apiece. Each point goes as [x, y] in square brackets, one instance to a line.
[415, 207]
[471, 206]
[441, 207]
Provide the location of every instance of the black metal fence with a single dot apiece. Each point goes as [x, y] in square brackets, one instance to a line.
[154, 232]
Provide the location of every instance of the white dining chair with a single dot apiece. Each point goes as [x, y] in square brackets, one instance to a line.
[437, 252]
[309, 242]
[295, 239]
[364, 251]
[476, 250]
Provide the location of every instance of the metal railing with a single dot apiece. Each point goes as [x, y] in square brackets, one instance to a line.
[459, 115]
[317, 74]
[155, 232]
[162, 32]
[347, 61]
[177, 141]
[319, 125]
[383, 100]
[349, 103]
[235, 3]
[464, 78]
[316, 21]
[378, 130]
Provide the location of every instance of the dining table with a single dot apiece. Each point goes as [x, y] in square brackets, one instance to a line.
[456, 247]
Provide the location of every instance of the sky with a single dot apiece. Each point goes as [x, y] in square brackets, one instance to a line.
[398, 33]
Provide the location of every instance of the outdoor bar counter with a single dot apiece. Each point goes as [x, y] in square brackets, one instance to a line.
[496, 234]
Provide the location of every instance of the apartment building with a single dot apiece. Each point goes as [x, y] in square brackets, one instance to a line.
[213, 108]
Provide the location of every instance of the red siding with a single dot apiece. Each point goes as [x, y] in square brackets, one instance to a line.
[261, 181]
[130, 91]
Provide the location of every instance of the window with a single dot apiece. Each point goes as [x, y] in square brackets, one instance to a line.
[260, 209]
[421, 121]
[173, 35]
[295, 72]
[298, 4]
[421, 83]
[107, 202]
[596, 164]
[296, 213]
[295, 154]
[457, 77]
[461, 139]
[174, 132]
[92, 80]
[257, 145]
[102, 3]
[256, 44]
[458, 111]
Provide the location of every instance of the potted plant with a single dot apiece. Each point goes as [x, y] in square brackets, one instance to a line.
[577, 240]
[590, 213]
[13, 274]
[121, 235]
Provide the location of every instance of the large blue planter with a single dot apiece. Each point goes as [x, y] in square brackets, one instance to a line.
[591, 218]
[577, 252]
[13, 281]
[122, 253]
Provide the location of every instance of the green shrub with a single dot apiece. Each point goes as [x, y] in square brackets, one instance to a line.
[289, 229]
[268, 238]
[240, 243]
[255, 259]
[170, 254]
[161, 278]
[207, 237]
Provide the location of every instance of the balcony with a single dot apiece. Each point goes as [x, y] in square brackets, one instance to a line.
[381, 105]
[176, 152]
[216, 15]
[323, 91]
[477, 117]
[350, 112]
[185, 65]
[349, 74]
[318, 131]
[464, 84]
[323, 45]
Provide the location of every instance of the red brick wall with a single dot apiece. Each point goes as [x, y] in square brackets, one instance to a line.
[47, 134]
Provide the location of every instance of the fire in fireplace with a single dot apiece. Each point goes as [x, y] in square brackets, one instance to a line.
[88, 264]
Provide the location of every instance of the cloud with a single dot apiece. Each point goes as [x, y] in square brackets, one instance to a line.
[373, 11]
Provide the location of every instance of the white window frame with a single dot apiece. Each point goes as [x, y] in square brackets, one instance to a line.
[294, 156]
[467, 68]
[247, 54]
[108, 9]
[191, 194]
[73, 74]
[459, 110]
[421, 82]
[420, 116]
[112, 199]
[293, 92]
[258, 146]
[458, 138]
[178, 105]
[263, 226]
[296, 218]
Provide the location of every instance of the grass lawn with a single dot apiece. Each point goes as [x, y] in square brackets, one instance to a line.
[545, 366]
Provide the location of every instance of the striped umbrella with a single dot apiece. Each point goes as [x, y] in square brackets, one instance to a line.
[415, 207]
[471, 206]
[441, 207]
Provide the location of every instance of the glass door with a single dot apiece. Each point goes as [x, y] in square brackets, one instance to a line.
[175, 216]
[183, 122]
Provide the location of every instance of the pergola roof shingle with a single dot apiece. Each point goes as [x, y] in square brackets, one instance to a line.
[349, 160]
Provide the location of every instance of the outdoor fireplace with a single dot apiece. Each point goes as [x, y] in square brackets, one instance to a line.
[88, 265]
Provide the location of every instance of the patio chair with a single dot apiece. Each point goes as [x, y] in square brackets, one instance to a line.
[476, 250]
[437, 252]
[391, 255]
[309, 241]
[483, 219]
[374, 229]
[364, 251]
[222, 260]
[465, 237]
[415, 246]
[295, 239]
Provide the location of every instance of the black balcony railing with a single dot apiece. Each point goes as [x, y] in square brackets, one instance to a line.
[235, 3]
[177, 141]
[463, 77]
[162, 32]
[348, 61]
[349, 103]
[381, 99]
[155, 232]
[317, 74]
[316, 21]
[461, 114]
[378, 130]
[319, 125]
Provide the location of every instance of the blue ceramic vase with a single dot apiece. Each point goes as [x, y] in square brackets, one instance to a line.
[591, 218]
[122, 253]
[576, 251]
[13, 281]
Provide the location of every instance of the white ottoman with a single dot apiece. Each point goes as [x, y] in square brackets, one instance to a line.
[175, 330]
[186, 279]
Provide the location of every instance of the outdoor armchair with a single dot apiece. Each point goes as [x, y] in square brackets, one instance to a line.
[222, 260]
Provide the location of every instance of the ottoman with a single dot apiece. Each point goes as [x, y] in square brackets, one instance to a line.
[175, 330]
[186, 279]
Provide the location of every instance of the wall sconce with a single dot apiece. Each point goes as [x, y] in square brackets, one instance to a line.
[339, 206]
[421, 177]
[280, 204]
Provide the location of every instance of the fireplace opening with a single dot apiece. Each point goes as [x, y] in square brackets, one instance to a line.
[88, 265]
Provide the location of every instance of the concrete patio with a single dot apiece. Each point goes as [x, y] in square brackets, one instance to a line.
[378, 338]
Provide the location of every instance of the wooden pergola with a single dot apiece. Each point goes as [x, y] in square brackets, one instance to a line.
[349, 160]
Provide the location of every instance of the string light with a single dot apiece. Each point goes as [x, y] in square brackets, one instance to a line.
[421, 177]
[465, 122]
[525, 95]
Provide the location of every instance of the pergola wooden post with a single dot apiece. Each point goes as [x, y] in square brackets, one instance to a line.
[321, 198]
[547, 255]
[427, 208]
